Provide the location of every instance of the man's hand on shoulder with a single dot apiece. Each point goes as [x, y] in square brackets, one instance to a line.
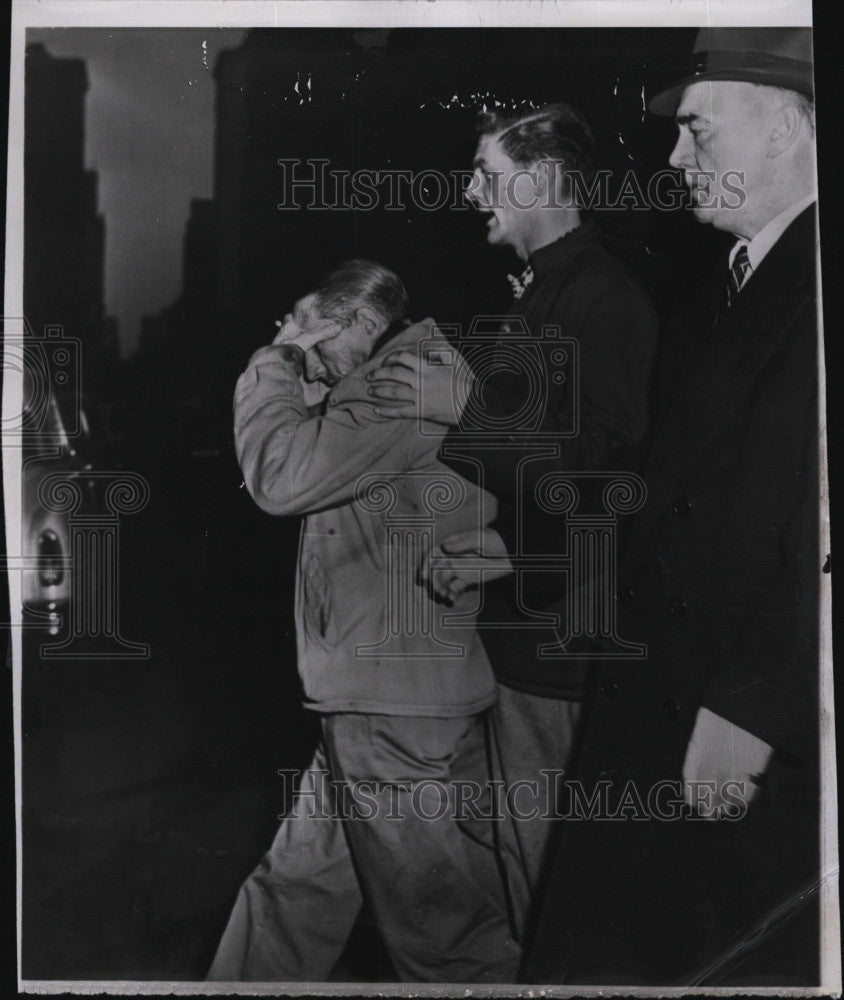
[433, 388]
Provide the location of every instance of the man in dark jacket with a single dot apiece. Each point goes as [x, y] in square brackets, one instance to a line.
[705, 756]
[557, 387]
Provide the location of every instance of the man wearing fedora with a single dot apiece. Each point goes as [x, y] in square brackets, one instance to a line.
[691, 854]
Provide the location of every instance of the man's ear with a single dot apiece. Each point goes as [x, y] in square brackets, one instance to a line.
[545, 178]
[550, 183]
[787, 126]
[370, 321]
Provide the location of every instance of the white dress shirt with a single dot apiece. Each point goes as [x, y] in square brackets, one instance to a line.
[758, 247]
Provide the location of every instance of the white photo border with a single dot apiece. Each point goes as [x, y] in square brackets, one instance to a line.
[391, 13]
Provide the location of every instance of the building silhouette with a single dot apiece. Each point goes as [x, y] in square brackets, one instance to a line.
[64, 233]
[345, 97]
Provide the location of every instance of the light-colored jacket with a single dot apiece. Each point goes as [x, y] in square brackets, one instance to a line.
[369, 638]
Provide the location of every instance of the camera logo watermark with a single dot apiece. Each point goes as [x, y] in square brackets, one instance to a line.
[575, 563]
[48, 364]
[538, 369]
[69, 543]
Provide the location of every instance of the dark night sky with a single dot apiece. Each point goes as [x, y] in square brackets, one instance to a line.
[150, 137]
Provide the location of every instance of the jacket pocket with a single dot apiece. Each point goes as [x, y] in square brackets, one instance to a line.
[316, 601]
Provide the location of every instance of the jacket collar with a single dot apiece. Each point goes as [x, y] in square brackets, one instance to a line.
[393, 331]
[354, 385]
[731, 357]
[766, 238]
[562, 250]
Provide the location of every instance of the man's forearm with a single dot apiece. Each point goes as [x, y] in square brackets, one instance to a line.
[269, 406]
[297, 460]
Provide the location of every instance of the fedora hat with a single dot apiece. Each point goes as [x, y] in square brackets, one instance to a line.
[778, 57]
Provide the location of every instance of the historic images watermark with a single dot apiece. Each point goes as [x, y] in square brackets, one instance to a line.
[552, 796]
[315, 185]
[582, 509]
[68, 549]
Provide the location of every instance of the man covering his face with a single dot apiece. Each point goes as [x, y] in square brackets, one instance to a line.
[399, 696]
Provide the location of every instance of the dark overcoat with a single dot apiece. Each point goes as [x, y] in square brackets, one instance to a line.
[721, 581]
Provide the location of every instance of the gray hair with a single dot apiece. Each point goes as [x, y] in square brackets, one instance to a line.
[804, 104]
[806, 107]
[361, 282]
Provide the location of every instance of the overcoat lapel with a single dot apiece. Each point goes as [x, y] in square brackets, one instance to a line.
[729, 360]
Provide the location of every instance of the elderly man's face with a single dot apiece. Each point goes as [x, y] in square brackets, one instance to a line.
[722, 149]
[331, 359]
[508, 192]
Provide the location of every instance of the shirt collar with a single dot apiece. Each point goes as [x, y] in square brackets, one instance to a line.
[758, 247]
[554, 254]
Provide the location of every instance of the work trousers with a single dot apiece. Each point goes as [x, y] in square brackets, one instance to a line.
[374, 818]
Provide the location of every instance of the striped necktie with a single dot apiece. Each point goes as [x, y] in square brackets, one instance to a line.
[739, 271]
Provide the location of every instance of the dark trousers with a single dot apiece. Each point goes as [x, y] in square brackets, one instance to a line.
[531, 741]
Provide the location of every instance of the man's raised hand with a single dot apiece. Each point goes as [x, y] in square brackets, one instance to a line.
[320, 329]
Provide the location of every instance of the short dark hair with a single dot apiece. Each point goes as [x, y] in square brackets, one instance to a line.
[557, 132]
[361, 282]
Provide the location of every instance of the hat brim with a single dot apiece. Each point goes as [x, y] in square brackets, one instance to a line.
[665, 103]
